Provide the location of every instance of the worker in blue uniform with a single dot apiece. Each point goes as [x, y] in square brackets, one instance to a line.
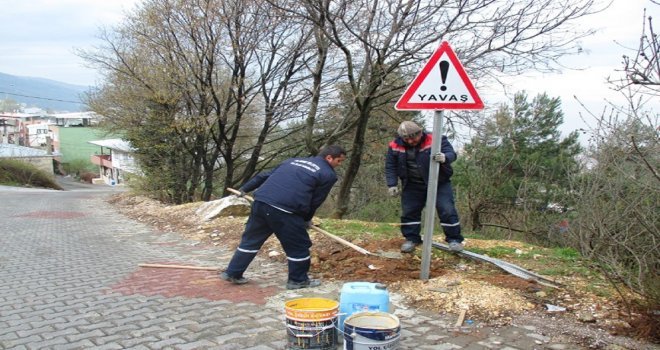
[285, 201]
[408, 159]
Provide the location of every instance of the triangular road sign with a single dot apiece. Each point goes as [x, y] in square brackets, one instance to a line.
[441, 84]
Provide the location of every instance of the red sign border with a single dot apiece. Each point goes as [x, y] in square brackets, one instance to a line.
[404, 102]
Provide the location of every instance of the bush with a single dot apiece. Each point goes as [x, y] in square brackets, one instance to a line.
[78, 166]
[18, 173]
[88, 176]
[617, 201]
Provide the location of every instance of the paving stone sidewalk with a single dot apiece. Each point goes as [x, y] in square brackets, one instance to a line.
[70, 279]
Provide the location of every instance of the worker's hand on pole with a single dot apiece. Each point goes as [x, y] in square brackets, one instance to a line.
[440, 157]
[393, 191]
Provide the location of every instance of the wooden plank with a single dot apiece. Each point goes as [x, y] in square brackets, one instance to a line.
[341, 240]
[461, 318]
[180, 267]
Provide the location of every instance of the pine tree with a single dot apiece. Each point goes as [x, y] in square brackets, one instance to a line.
[518, 163]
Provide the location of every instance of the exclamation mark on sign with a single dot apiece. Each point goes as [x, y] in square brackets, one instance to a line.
[444, 68]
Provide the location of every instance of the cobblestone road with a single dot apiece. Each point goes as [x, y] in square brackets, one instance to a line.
[69, 279]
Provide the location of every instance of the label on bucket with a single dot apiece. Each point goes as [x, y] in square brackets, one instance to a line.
[359, 344]
[311, 316]
[364, 307]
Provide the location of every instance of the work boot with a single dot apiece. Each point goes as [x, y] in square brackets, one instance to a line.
[234, 280]
[455, 246]
[409, 246]
[305, 284]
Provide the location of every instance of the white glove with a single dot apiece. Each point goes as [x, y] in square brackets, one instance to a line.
[393, 191]
[440, 157]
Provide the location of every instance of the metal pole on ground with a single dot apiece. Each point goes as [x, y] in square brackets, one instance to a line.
[431, 195]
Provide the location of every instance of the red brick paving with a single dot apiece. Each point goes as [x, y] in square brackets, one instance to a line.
[190, 284]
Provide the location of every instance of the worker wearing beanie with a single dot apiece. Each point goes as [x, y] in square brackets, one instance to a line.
[409, 158]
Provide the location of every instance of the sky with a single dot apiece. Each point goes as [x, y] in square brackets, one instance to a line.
[619, 30]
[39, 38]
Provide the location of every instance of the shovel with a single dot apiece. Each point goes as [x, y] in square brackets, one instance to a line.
[326, 233]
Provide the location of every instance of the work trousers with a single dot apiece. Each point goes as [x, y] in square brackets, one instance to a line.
[290, 230]
[413, 201]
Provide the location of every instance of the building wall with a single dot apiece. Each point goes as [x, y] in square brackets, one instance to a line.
[123, 161]
[37, 134]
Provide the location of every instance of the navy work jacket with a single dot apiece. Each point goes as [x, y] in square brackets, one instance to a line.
[297, 185]
[395, 161]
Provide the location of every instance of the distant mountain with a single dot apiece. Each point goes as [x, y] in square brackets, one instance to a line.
[46, 94]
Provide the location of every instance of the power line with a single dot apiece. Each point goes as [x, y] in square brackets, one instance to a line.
[40, 98]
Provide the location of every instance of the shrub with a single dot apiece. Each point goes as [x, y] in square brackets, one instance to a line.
[88, 176]
[18, 173]
[617, 201]
[78, 166]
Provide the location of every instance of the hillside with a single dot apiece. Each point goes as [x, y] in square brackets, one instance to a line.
[46, 94]
[585, 309]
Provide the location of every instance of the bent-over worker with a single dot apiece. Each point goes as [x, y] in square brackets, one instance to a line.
[284, 203]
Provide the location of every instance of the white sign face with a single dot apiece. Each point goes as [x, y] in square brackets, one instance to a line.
[441, 84]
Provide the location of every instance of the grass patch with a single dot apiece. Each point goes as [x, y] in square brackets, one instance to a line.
[495, 252]
[556, 266]
[359, 229]
[551, 262]
[18, 173]
[74, 142]
[566, 254]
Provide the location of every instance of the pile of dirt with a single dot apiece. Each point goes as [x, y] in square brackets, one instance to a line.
[485, 292]
[454, 286]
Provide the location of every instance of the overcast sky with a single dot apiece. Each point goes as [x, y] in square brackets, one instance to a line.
[39, 37]
[619, 29]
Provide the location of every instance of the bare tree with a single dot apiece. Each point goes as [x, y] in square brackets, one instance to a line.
[643, 67]
[241, 72]
[383, 41]
[232, 71]
[617, 195]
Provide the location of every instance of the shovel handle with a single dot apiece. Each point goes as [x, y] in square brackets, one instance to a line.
[341, 240]
[238, 193]
[316, 228]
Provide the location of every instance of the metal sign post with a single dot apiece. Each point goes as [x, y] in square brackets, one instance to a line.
[441, 84]
[431, 195]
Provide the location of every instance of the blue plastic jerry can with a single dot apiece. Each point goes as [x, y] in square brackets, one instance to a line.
[362, 296]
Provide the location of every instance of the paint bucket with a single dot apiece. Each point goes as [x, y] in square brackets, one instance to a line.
[362, 296]
[311, 323]
[371, 331]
